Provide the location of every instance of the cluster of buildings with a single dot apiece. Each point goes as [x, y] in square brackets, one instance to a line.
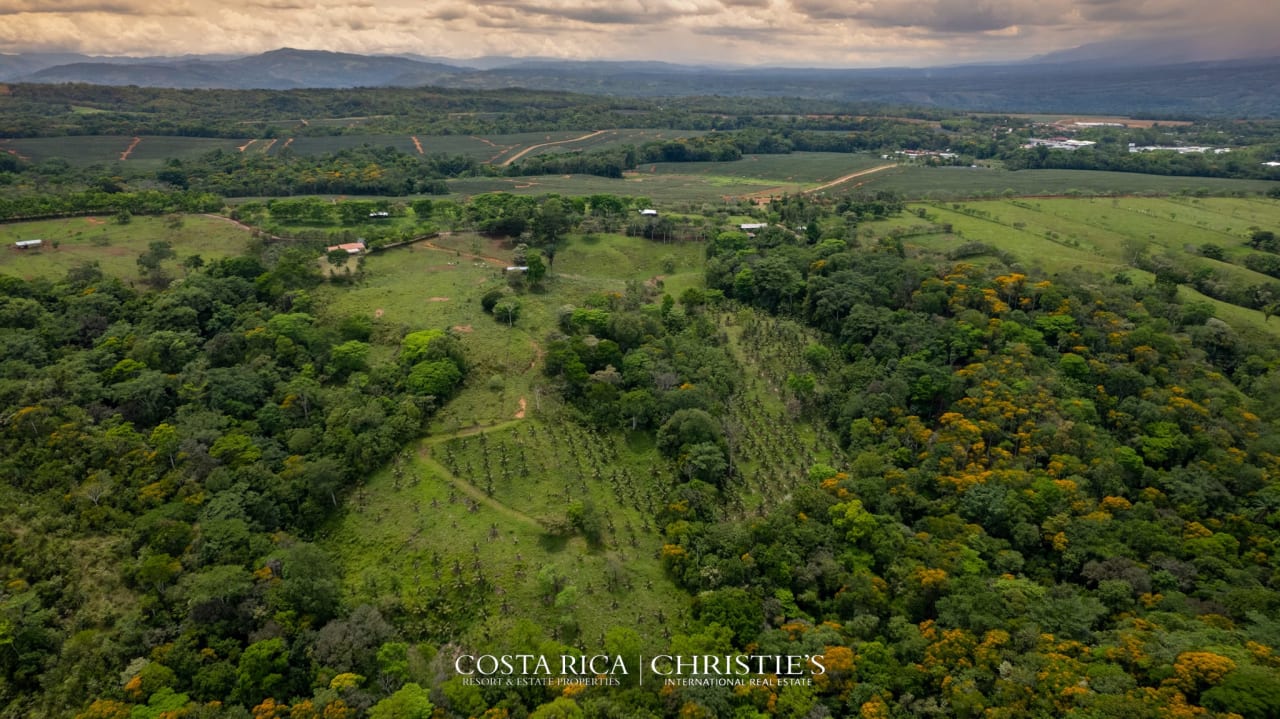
[1058, 143]
[918, 154]
[1180, 149]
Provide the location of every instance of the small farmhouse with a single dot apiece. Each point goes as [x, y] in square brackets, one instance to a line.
[379, 214]
[27, 244]
[648, 212]
[351, 248]
[748, 226]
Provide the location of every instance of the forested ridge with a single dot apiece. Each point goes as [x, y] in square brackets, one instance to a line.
[1026, 493]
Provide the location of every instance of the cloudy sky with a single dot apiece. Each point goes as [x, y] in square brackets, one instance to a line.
[845, 33]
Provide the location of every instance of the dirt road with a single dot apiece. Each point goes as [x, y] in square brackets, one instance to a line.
[531, 148]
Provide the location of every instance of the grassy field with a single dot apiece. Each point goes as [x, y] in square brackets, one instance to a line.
[964, 182]
[115, 247]
[501, 459]
[1051, 235]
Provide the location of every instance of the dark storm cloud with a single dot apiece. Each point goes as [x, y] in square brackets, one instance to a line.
[116, 7]
[812, 32]
[943, 16]
[612, 12]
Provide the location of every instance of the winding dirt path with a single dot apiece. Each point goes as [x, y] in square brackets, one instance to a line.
[267, 147]
[128, 150]
[531, 148]
[246, 145]
[417, 143]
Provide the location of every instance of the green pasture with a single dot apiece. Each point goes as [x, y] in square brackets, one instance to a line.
[945, 183]
[1096, 233]
[113, 246]
[458, 502]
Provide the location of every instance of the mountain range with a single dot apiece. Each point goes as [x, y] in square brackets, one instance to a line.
[1108, 77]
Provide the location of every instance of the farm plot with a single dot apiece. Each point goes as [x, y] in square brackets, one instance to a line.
[113, 246]
[95, 149]
[459, 531]
[796, 168]
[944, 183]
[303, 145]
[660, 188]
[463, 527]
[615, 138]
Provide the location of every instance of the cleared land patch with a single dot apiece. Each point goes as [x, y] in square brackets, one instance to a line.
[115, 247]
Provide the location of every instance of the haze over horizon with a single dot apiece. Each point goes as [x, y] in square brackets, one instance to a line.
[819, 33]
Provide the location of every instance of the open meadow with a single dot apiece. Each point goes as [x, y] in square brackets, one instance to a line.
[946, 183]
[115, 247]
[503, 460]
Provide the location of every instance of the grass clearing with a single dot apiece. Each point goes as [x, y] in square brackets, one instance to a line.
[113, 246]
[1054, 234]
[946, 183]
[457, 528]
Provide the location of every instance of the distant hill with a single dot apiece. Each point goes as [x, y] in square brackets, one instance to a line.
[276, 70]
[1170, 50]
[1136, 81]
